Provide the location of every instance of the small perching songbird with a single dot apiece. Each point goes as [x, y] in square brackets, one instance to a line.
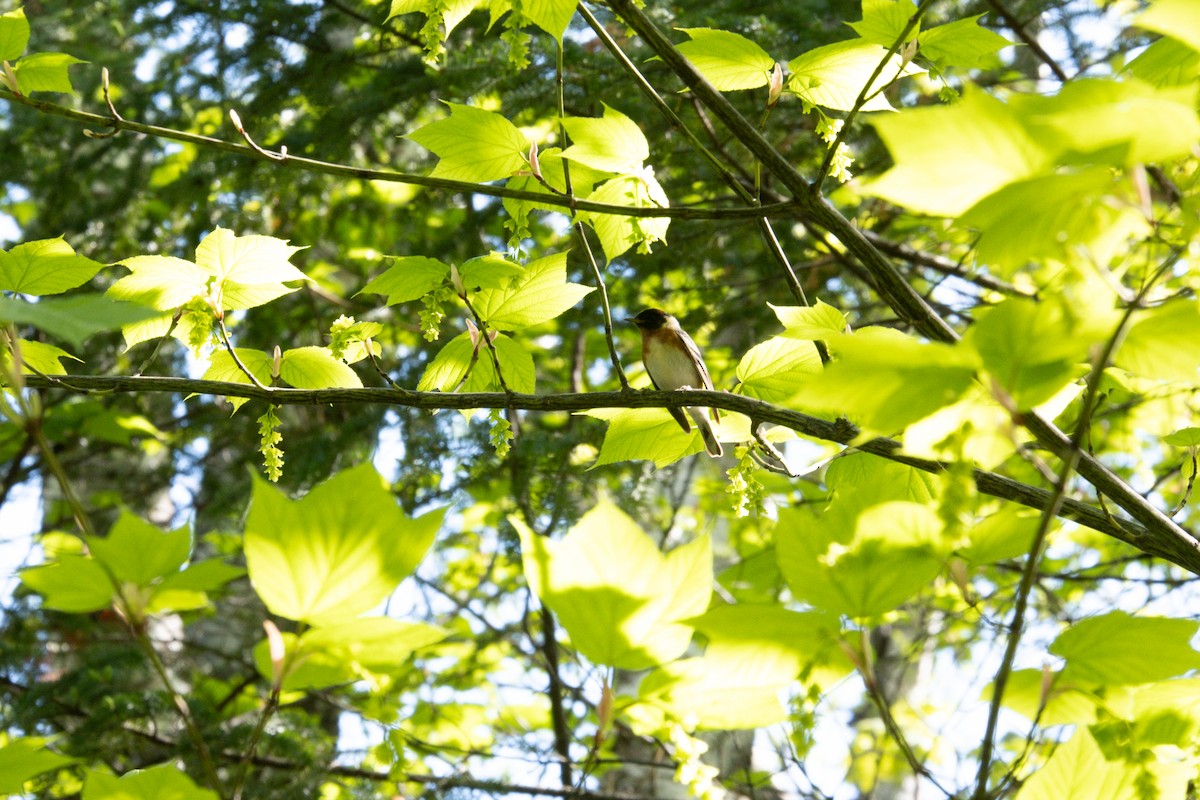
[674, 362]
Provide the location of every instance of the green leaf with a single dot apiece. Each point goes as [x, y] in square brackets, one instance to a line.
[644, 434]
[138, 552]
[1033, 349]
[1114, 122]
[516, 363]
[45, 358]
[619, 598]
[14, 34]
[316, 368]
[883, 20]
[401, 7]
[1063, 705]
[473, 145]
[223, 368]
[1116, 648]
[246, 261]
[1161, 343]
[619, 233]
[552, 16]
[448, 368]
[833, 76]
[896, 551]
[963, 43]
[188, 589]
[372, 644]
[304, 668]
[1185, 437]
[1166, 62]
[25, 758]
[45, 72]
[162, 782]
[161, 282]
[1179, 19]
[1078, 770]
[493, 271]
[46, 266]
[817, 322]
[335, 553]
[729, 61]
[729, 688]
[611, 143]
[1065, 217]
[808, 638]
[409, 278]
[72, 583]
[1006, 534]
[774, 370]
[539, 295]
[949, 158]
[75, 318]
[884, 380]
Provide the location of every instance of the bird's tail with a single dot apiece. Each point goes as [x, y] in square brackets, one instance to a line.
[706, 433]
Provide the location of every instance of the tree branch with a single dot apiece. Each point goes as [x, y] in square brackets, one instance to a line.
[787, 209]
[890, 284]
[1169, 541]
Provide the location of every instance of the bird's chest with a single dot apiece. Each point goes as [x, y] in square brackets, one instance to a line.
[669, 366]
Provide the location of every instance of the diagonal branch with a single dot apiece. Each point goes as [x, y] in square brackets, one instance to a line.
[889, 283]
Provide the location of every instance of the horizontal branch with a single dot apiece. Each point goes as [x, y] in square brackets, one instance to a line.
[785, 209]
[1182, 551]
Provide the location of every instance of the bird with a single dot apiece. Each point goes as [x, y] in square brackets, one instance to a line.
[674, 362]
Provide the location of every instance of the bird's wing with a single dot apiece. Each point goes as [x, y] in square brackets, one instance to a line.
[698, 360]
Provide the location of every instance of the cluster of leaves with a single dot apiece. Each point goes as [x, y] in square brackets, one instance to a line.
[1066, 218]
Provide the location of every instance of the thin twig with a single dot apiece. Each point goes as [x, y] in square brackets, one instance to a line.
[116, 121]
[785, 209]
[282, 155]
[866, 94]
[1070, 461]
[233, 354]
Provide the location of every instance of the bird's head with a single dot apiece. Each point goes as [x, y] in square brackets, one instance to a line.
[653, 319]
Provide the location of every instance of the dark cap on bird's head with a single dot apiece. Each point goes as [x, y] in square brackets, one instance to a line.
[652, 319]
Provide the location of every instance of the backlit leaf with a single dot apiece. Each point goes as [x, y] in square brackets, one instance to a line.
[611, 143]
[728, 60]
[71, 583]
[316, 368]
[1179, 19]
[162, 782]
[46, 266]
[76, 318]
[45, 72]
[539, 295]
[819, 321]
[552, 16]
[645, 434]
[947, 158]
[138, 552]
[963, 43]
[14, 34]
[832, 76]
[1116, 648]
[620, 599]
[408, 278]
[473, 145]
[335, 553]
[619, 233]
[883, 20]
[25, 758]
[774, 370]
